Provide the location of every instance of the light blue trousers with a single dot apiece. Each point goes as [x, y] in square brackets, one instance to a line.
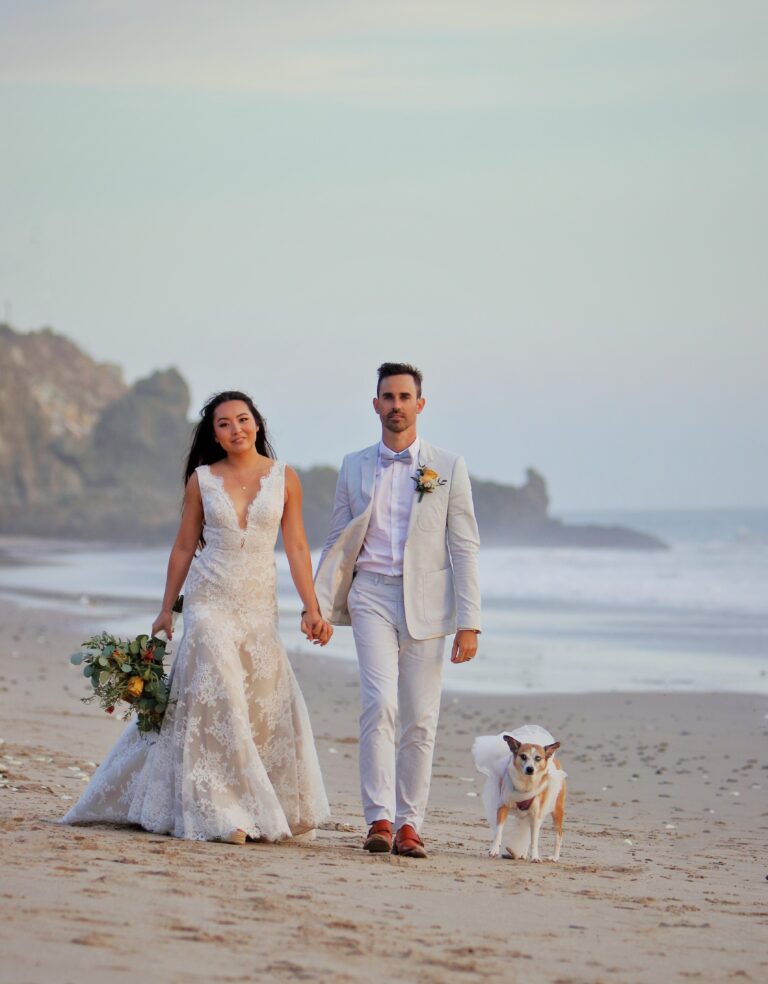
[397, 674]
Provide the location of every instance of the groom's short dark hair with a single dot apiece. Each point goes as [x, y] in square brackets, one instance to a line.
[399, 369]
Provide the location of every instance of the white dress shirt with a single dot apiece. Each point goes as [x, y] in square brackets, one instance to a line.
[393, 495]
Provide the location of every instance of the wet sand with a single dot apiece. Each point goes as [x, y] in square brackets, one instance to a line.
[663, 875]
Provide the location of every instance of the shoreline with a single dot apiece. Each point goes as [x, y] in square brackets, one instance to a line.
[127, 615]
[658, 879]
[546, 627]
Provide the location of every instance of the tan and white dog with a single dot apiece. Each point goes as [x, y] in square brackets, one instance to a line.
[524, 784]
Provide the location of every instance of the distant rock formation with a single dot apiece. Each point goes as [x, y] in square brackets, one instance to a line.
[51, 397]
[82, 455]
[519, 517]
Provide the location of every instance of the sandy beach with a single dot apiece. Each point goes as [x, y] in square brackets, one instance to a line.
[662, 877]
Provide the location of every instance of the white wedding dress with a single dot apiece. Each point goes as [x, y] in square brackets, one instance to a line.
[236, 746]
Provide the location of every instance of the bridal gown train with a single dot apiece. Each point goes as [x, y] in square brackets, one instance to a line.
[236, 746]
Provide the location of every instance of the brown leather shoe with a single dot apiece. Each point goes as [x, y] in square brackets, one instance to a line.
[379, 837]
[408, 843]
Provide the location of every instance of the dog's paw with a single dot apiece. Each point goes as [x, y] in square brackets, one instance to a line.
[536, 860]
[493, 853]
[553, 858]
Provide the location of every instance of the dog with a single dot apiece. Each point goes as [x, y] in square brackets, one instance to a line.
[524, 784]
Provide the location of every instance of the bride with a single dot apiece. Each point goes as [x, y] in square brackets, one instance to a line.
[235, 757]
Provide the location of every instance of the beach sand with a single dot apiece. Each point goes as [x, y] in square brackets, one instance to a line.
[662, 877]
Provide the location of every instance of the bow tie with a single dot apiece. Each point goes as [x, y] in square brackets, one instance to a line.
[388, 459]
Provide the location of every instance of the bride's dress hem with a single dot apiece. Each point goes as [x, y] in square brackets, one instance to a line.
[303, 833]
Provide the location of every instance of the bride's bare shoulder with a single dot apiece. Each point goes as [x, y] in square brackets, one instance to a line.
[192, 488]
[292, 480]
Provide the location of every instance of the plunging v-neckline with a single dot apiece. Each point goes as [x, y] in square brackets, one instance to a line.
[228, 497]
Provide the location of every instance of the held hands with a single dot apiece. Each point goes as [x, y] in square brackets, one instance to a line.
[464, 646]
[315, 628]
[163, 622]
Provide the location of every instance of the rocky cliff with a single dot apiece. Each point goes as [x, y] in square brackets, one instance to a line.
[82, 455]
[51, 397]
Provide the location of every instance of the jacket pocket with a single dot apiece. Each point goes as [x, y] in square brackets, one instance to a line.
[439, 601]
[432, 513]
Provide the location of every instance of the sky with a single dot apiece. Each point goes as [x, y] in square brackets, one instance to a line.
[557, 210]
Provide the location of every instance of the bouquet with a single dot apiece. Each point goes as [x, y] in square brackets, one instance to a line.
[128, 670]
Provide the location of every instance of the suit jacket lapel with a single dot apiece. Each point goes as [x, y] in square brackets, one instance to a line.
[425, 457]
[368, 470]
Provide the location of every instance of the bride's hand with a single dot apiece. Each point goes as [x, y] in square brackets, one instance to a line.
[315, 628]
[163, 623]
[322, 632]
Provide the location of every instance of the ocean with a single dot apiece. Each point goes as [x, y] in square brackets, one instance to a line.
[694, 618]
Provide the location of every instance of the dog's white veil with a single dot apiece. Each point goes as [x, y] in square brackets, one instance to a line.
[491, 754]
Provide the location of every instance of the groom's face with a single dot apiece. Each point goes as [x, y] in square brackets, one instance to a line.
[398, 404]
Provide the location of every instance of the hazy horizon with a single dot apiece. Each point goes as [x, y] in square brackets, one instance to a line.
[557, 211]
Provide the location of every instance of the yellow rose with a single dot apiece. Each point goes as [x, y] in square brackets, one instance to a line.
[427, 475]
[135, 686]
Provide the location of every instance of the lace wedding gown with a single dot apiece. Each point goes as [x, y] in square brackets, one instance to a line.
[236, 746]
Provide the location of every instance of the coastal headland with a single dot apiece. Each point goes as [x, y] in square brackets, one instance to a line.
[92, 458]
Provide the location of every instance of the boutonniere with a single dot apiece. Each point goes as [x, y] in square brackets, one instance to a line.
[427, 481]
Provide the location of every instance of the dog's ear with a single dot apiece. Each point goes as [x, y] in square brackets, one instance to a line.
[549, 750]
[514, 744]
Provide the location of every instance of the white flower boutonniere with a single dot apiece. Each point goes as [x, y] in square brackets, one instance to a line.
[427, 481]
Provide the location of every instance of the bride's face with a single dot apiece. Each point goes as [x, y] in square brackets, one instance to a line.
[234, 427]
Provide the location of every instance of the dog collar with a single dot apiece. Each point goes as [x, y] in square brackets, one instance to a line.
[529, 795]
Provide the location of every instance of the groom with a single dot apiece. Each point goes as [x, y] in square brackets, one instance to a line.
[400, 566]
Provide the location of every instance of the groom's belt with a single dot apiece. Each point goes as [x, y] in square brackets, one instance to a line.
[373, 578]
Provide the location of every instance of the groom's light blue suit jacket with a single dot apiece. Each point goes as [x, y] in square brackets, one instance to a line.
[441, 585]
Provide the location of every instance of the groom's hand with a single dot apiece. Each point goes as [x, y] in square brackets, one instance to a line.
[322, 632]
[464, 646]
[315, 628]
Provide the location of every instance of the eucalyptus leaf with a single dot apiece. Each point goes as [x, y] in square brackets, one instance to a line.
[76, 658]
[126, 667]
[104, 676]
[103, 661]
[88, 670]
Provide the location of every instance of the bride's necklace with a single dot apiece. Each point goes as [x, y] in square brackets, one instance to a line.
[239, 482]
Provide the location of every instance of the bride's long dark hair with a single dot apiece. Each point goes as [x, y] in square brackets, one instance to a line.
[204, 449]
